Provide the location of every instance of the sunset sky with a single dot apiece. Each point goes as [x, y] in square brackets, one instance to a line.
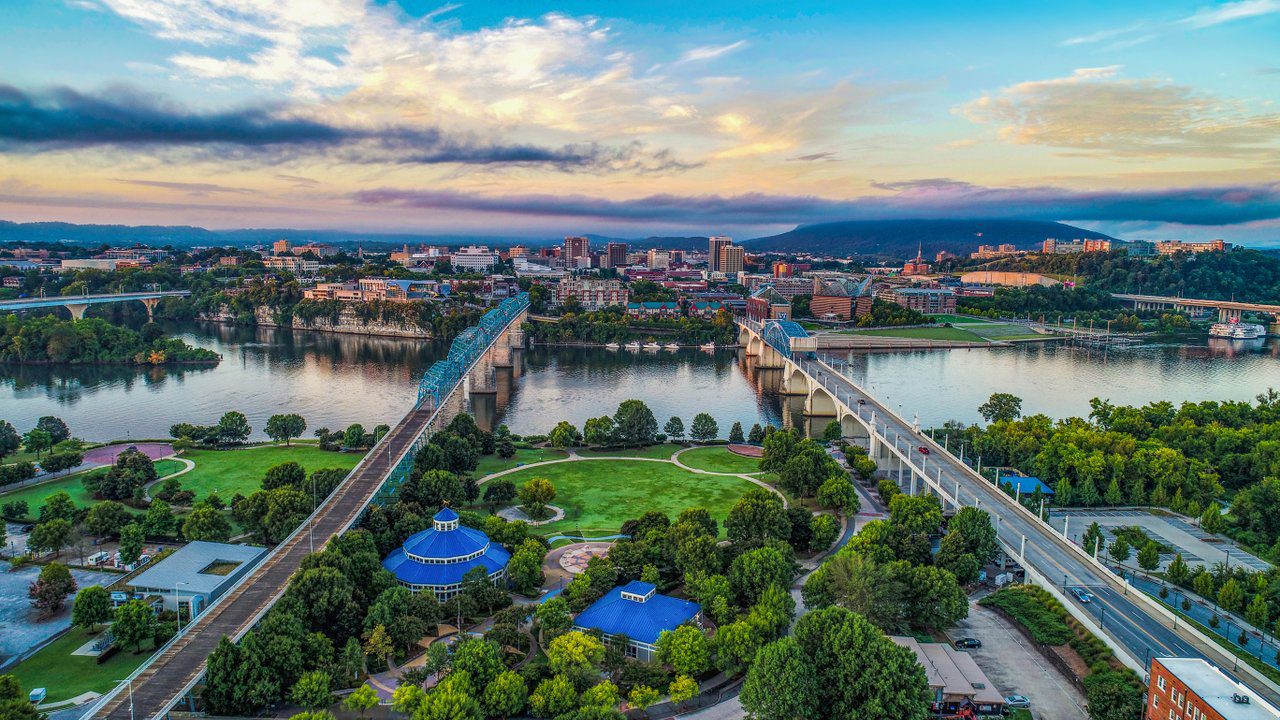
[536, 118]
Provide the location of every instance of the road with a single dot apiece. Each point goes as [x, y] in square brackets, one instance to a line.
[1143, 635]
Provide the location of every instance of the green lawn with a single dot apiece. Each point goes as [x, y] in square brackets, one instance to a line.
[601, 494]
[490, 464]
[661, 452]
[241, 471]
[923, 333]
[37, 495]
[66, 675]
[719, 459]
[958, 319]
[1004, 331]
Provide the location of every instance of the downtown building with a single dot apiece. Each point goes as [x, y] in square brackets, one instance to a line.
[715, 243]
[1193, 689]
[592, 293]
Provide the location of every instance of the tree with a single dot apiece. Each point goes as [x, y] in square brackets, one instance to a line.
[634, 424]
[159, 520]
[535, 494]
[106, 518]
[825, 530]
[574, 650]
[285, 474]
[1119, 549]
[564, 435]
[832, 432]
[974, 527]
[57, 461]
[1091, 541]
[757, 517]
[312, 690]
[1112, 696]
[130, 472]
[58, 506]
[57, 429]
[601, 695]
[134, 625]
[51, 588]
[838, 494]
[499, 492]
[1149, 556]
[505, 695]
[916, 513]
[10, 440]
[50, 536]
[361, 700]
[685, 649]
[505, 447]
[682, 689]
[779, 685]
[953, 555]
[1001, 407]
[756, 436]
[754, 571]
[674, 429]
[353, 437]
[92, 607]
[598, 431]
[233, 428]
[553, 696]
[481, 659]
[1178, 572]
[205, 523]
[285, 427]
[1212, 520]
[641, 697]
[554, 614]
[37, 441]
[131, 540]
[703, 428]
[378, 644]
[1258, 613]
[735, 433]
[525, 567]
[1231, 596]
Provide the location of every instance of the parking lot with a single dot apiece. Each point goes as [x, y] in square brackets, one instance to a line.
[1181, 535]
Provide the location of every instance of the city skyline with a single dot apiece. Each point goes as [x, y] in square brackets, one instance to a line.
[1151, 120]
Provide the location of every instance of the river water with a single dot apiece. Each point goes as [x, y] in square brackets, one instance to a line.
[334, 380]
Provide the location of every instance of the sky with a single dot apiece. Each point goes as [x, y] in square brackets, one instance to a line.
[1144, 120]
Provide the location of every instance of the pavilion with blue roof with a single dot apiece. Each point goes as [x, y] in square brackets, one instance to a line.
[637, 611]
[437, 558]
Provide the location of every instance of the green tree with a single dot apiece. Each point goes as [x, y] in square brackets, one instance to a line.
[685, 649]
[481, 659]
[1212, 520]
[674, 429]
[131, 540]
[50, 536]
[1258, 613]
[57, 429]
[106, 518]
[634, 424]
[832, 432]
[754, 571]
[553, 696]
[682, 689]
[641, 697]
[703, 428]
[286, 474]
[574, 651]
[59, 461]
[1149, 556]
[601, 695]
[781, 685]
[233, 428]
[159, 520]
[1178, 572]
[1001, 407]
[916, 513]
[825, 530]
[564, 435]
[283, 428]
[377, 643]
[554, 614]
[37, 441]
[535, 494]
[1119, 549]
[134, 625]
[312, 690]
[10, 440]
[974, 526]
[756, 435]
[524, 570]
[505, 695]
[361, 700]
[838, 493]
[205, 523]
[758, 516]
[353, 437]
[1091, 541]
[1112, 696]
[598, 431]
[92, 607]
[1231, 596]
[58, 506]
[735, 433]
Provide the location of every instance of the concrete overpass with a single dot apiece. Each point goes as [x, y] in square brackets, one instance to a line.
[175, 669]
[77, 304]
[1133, 624]
[1228, 310]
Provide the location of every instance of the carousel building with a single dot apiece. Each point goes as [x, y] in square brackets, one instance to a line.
[437, 558]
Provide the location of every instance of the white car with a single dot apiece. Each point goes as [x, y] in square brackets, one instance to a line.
[1017, 701]
[1084, 596]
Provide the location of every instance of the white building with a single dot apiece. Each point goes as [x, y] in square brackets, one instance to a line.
[295, 265]
[474, 257]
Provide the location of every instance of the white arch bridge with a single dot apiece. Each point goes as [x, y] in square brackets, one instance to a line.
[1134, 624]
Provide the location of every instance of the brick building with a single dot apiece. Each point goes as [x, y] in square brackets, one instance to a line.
[1193, 689]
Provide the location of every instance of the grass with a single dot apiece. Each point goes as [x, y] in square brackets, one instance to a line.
[1020, 714]
[490, 464]
[661, 452]
[241, 471]
[958, 319]
[923, 333]
[600, 495]
[37, 495]
[65, 675]
[719, 459]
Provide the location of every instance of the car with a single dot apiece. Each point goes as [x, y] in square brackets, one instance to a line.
[923, 450]
[28, 528]
[1017, 701]
[862, 401]
[968, 642]
[1082, 595]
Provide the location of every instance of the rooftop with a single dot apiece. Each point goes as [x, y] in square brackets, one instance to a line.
[200, 566]
[637, 611]
[952, 671]
[1027, 484]
[1216, 689]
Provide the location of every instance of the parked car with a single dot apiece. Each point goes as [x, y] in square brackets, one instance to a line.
[968, 642]
[1017, 701]
[861, 401]
[923, 450]
[28, 528]
[1082, 595]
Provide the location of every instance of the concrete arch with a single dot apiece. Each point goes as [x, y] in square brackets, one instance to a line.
[794, 381]
[820, 403]
[851, 426]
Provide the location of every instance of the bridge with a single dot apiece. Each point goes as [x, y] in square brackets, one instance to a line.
[1135, 625]
[77, 304]
[174, 670]
[1228, 310]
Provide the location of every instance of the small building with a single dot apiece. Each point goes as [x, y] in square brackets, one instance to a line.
[637, 611]
[705, 309]
[925, 300]
[1193, 688]
[654, 309]
[196, 574]
[437, 558]
[768, 304]
[1026, 485]
[954, 678]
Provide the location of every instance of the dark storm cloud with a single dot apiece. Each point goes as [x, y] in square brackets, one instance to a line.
[933, 198]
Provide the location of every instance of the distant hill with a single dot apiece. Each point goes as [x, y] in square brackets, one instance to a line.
[901, 238]
[667, 243]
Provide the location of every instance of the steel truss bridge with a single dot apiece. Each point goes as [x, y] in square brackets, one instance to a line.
[175, 669]
[1136, 626]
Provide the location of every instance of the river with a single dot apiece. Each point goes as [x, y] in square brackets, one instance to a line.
[334, 380]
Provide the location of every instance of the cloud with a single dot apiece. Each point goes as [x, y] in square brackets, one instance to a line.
[62, 118]
[710, 52]
[1227, 12]
[1097, 110]
[929, 198]
[826, 156]
[1117, 35]
[193, 189]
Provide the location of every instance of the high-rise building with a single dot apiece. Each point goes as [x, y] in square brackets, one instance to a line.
[731, 257]
[575, 247]
[713, 253]
[659, 259]
[616, 254]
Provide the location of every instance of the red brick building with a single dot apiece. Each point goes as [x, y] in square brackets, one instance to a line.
[1193, 689]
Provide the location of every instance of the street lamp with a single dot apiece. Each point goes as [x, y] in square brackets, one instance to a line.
[177, 606]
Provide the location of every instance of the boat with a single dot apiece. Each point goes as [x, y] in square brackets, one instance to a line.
[1236, 330]
[652, 346]
[672, 346]
[612, 345]
[633, 345]
[707, 346]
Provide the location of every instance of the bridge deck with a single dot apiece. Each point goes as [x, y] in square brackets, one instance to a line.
[60, 300]
[175, 670]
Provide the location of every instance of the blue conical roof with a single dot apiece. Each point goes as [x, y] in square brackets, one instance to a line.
[446, 514]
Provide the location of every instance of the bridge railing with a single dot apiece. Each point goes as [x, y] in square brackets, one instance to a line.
[439, 379]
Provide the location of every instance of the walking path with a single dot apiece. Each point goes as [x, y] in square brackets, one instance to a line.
[97, 457]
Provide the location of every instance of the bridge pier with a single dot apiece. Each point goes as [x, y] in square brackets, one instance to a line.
[1228, 315]
[150, 304]
[500, 355]
[77, 310]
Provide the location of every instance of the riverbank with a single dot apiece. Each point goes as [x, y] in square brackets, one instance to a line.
[349, 323]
